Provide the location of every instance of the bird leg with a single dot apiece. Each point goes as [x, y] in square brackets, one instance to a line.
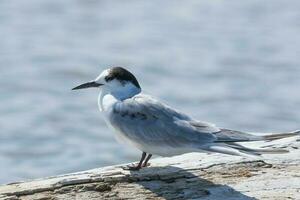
[145, 164]
[138, 166]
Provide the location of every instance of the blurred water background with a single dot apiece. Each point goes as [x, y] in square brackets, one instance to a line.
[233, 63]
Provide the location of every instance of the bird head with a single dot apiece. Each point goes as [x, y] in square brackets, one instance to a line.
[117, 81]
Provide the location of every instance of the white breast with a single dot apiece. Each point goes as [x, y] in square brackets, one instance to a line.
[106, 103]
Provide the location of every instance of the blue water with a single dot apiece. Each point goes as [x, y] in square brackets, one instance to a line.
[233, 63]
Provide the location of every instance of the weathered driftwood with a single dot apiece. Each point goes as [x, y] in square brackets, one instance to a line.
[190, 176]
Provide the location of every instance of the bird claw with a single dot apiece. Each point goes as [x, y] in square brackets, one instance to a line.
[132, 167]
[147, 165]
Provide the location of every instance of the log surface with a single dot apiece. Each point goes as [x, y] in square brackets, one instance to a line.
[189, 176]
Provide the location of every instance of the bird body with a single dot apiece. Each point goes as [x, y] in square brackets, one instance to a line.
[156, 128]
[153, 127]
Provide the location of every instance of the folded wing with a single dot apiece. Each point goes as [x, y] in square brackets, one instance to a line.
[145, 120]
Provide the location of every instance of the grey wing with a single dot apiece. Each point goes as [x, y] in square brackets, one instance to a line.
[227, 135]
[146, 120]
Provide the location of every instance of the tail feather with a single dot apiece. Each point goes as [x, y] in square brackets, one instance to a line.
[226, 143]
[257, 150]
[227, 135]
[278, 136]
[221, 148]
[239, 150]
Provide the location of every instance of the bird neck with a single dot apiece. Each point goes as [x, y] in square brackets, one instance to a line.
[126, 91]
[109, 96]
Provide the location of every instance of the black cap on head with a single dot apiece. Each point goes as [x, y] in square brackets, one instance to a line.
[122, 75]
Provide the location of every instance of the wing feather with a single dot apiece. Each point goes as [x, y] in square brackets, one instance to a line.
[147, 121]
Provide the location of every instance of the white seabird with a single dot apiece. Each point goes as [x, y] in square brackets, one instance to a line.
[156, 128]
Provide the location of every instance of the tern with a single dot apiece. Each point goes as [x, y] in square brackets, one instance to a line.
[156, 128]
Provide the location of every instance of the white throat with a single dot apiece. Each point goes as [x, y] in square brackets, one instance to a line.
[111, 95]
[127, 91]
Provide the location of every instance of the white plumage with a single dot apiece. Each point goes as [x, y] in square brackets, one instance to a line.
[155, 128]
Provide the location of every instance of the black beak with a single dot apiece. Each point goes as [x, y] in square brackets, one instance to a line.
[87, 85]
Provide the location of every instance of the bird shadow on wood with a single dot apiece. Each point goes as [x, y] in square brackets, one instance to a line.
[177, 183]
